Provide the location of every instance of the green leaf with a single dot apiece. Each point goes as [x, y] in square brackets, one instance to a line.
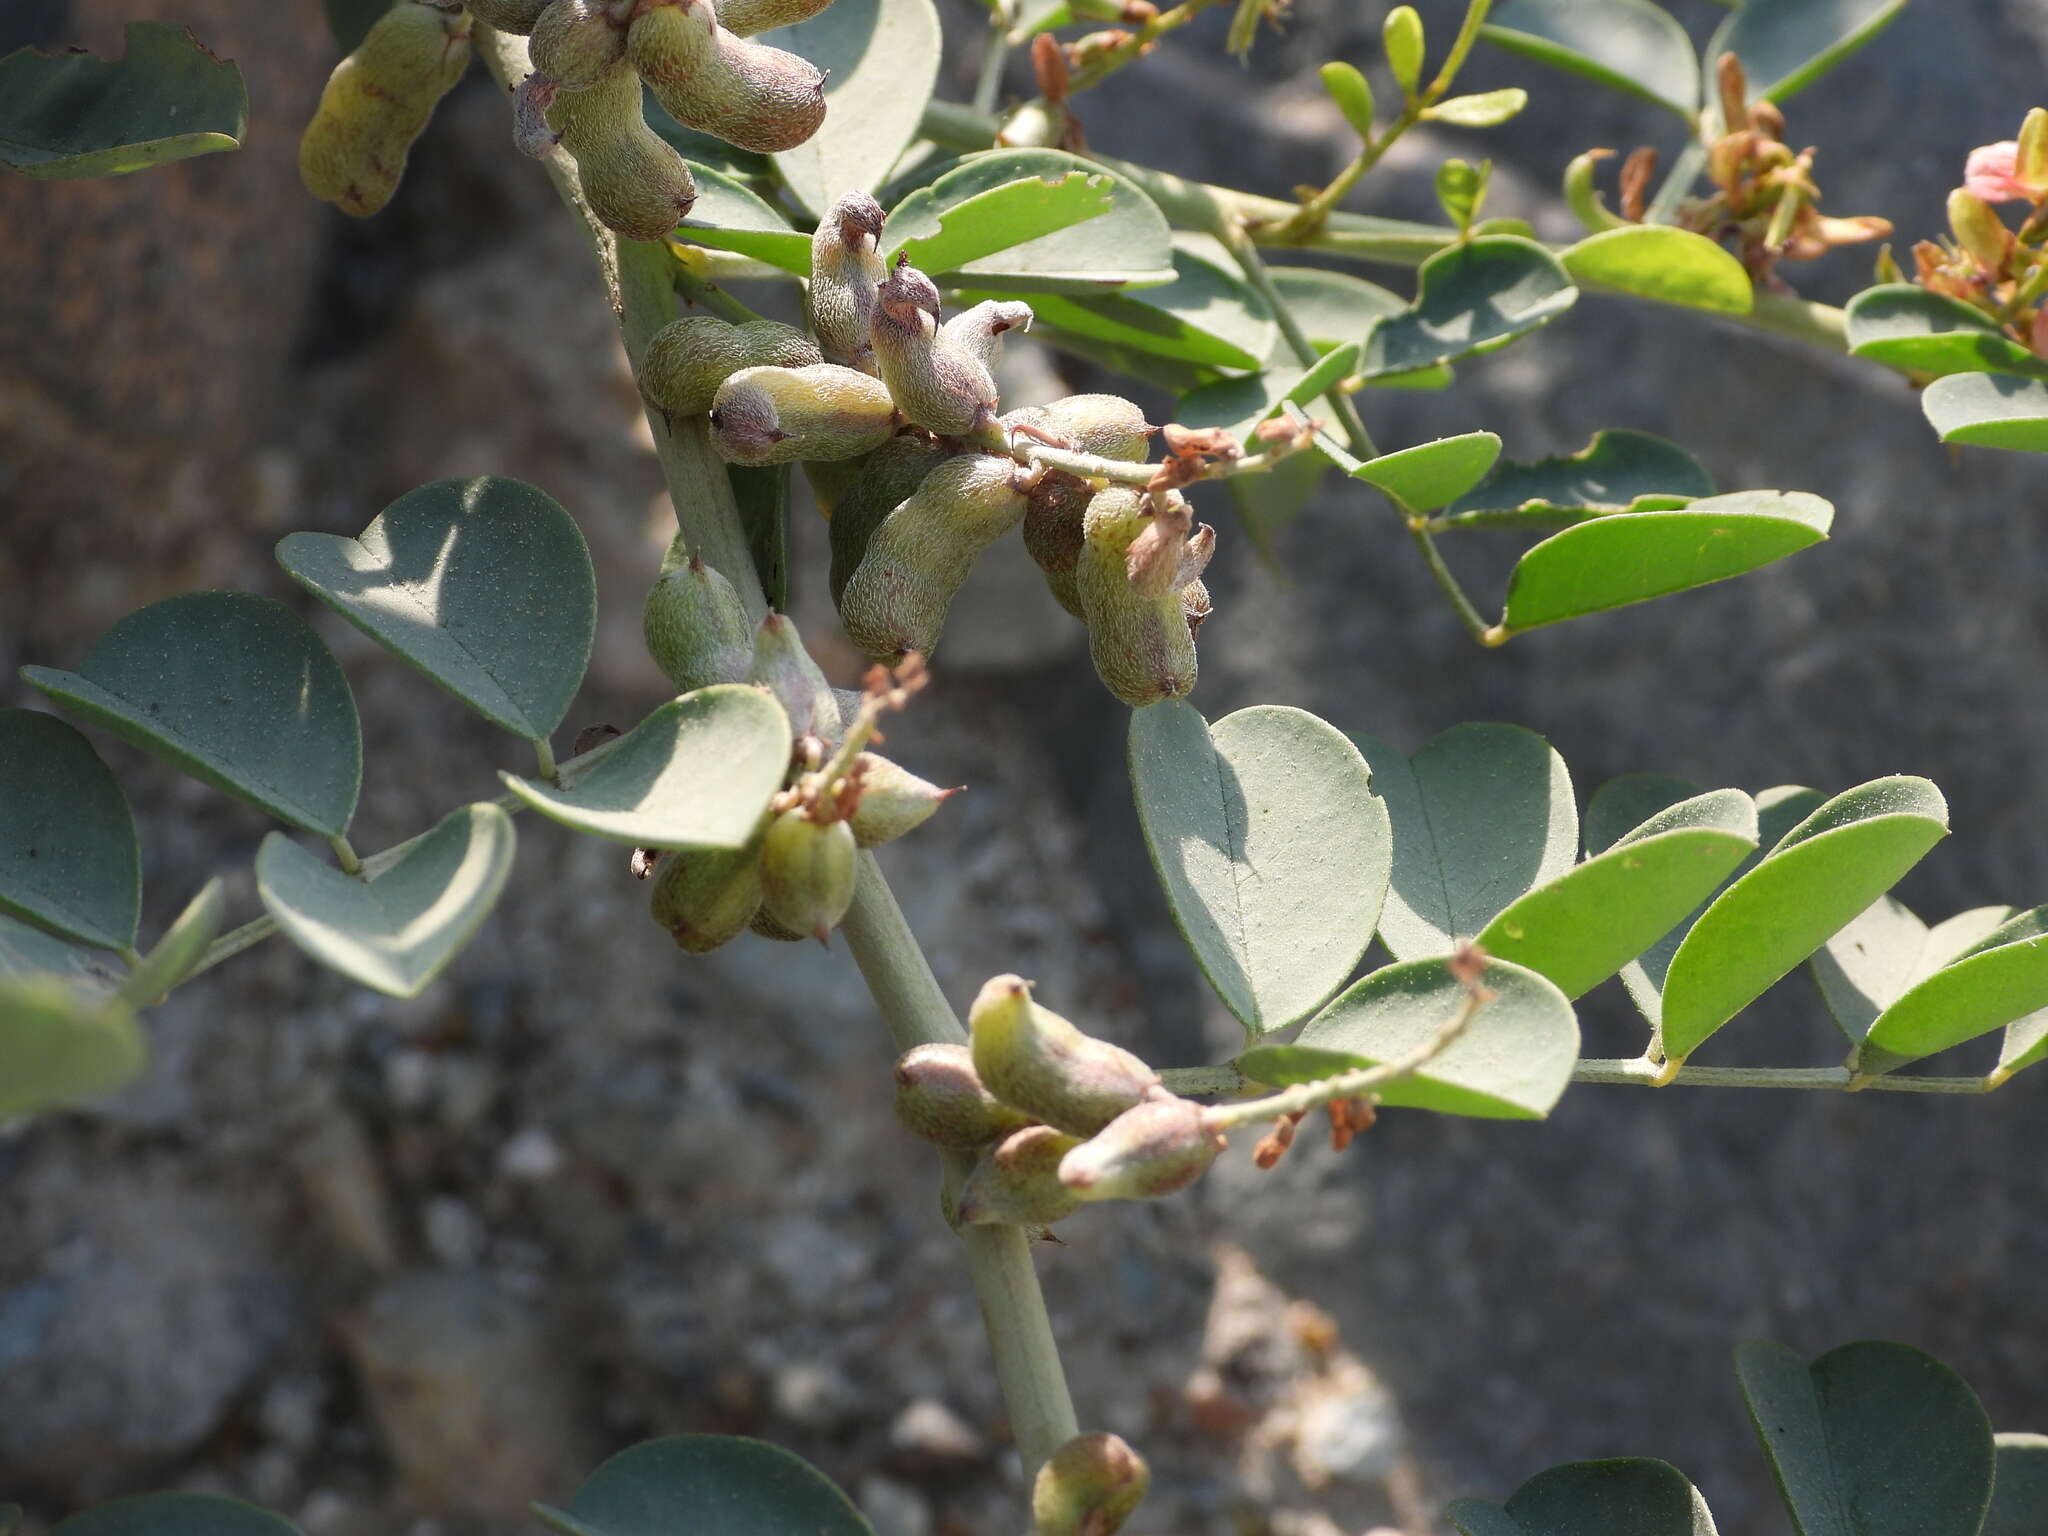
[1625, 1497]
[708, 1483]
[1271, 847]
[1618, 471]
[1513, 1061]
[2025, 1044]
[697, 773]
[484, 585]
[236, 691]
[1610, 562]
[1127, 245]
[1820, 875]
[1786, 45]
[67, 838]
[1461, 190]
[761, 493]
[1401, 36]
[59, 1046]
[1625, 802]
[1873, 1439]
[397, 931]
[1661, 262]
[881, 59]
[1428, 475]
[2000, 979]
[176, 1514]
[1584, 926]
[1626, 45]
[1352, 93]
[1474, 297]
[1481, 816]
[26, 951]
[729, 217]
[2019, 1493]
[943, 233]
[1333, 307]
[1884, 952]
[1988, 410]
[1489, 109]
[1240, 404]
[178, 951]
[1902, 325]
[166, 98]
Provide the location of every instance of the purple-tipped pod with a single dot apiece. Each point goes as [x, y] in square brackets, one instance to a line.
[939, 1098]
[1017, 1182]
[1036, 1061]
[1088, 1487]
[1153, 1149]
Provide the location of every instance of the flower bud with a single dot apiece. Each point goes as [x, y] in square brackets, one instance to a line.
[743, 18]
[979, 331]
[705, 897]
[706, 78]
[1153, 1149]
[939, 1098]
[635, 181]
[935, 380]
[1089, 1487]
[782, 666]
[887, 477]
[807, 873]
[1979, 230]
[1036, 1061]
[377, 101]
[1017, 1182]
[893, 801]
[514, 16]
[1141, 644]
[780, 415]
[576, 43]
[696, 628]
[846, 269]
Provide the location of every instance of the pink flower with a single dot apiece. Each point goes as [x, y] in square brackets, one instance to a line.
[1990, 174]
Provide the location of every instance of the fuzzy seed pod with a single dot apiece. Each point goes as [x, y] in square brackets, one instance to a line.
[920, 556]
[780, 415]
[514, 16]
[893, 801]
[887, 477]
[1153, 1149]
[807, 873]
[771, 344]
[1088, 1487]
[696, 628]
[936, 381]
[1036, 1061]
[576, 43]
[376, 103]
[1017, 1182]
[1107, 426]
[979, 331]
[746, 93]
[743, 18]
[1142, 645]
[1195, 605]
[782, 666]
[939, 1098]
[768, 928]
[636, 182]
[689, 358]
[705, 897]
[846, 269]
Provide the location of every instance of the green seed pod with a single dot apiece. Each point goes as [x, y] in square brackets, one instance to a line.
[636, 182]
[768, 928]
[1107, 426]
[771, 344]
[939, 1098]
[686, 362]
[807, 873]
[979, 331]
[782, 666]
[780, 415]
[1088, 1487]
[705, 897]
[893, 801]
[376, 103]
[696, 628]
[743, 18]
[846, 269]
[897, 597]
[1017, 1182]
[746, 93]
[1153, 1149]
[936, 381]
[576, 43]
[1141, 645]
[888, 475]
[1036, 1061]
[514, 16]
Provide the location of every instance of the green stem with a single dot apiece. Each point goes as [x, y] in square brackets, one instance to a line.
[1461, 48]
[988, 83]
[350, 864]
[1640, 1072]
[1425, 542]
[1254, 267]
[544, 757]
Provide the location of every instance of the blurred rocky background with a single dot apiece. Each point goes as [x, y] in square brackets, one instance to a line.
[402, 1266]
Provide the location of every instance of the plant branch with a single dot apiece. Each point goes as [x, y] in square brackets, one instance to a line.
[1639, 1072]
[1135, 44]
[1241, 247]
[1468, 614]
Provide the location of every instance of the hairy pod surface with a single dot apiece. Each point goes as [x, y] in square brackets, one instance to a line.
[743, 18]
[576, 43]
[782, 666]
[807, 873]
[1107, 426]
[1036, 1061]
[920, 556]
[775, 415]
[636, 182]
[706, 77]
[706, 897]
[768, 928]
[893, 801]
[1152, 1149]
[514, 16]
[936, 381]
[939, 1099]
[846, 270]
[1017, 1182]
[887, 476]
[979, 331]
[696, 628]
[377, 101]
[1142, 646]
[689, 358]
[1088, 1487]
